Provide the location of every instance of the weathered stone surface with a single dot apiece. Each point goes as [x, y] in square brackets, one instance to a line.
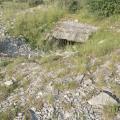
[102, 99]
[16, 47]
[73, 31]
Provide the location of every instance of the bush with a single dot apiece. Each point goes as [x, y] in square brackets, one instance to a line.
[33, 3]
[74, 5]
[71, 5]
[33, 26]
[104, 8]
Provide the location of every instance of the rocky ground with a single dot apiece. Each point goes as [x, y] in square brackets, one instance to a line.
[51, 94]
[49, 87]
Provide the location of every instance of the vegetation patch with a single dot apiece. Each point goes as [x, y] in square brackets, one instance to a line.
[102, 43]
[110, 111]
[34, 25]
[34, 3]
[68, 86]
[4, 63]
[5, 91]
[104, 8]
[9, 9]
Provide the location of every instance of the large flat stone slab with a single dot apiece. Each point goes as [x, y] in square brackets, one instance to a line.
[73, 31]
[102, 99]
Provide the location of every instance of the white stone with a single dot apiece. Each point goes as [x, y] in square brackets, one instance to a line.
[8, 83]
[33, 108]
[102, 99]
[23, 64]
[76, 20]
[67, 115]
[77, 94]
[19, 114]
[39, 94]
[65, 96]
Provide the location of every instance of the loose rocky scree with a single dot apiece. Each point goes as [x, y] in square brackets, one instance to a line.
[70, 97]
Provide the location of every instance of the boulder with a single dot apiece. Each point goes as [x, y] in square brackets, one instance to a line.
[102, 99]
[73, 31]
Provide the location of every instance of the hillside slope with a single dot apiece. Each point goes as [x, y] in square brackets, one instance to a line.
[75, 82]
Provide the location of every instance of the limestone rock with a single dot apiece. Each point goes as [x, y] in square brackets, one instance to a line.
[102, 99]
[73, 31]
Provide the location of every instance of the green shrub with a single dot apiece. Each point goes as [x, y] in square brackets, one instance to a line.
[74, 5]
[4, 63]
[33, 3]
[34, 25]
[104, 8]
[71, 5]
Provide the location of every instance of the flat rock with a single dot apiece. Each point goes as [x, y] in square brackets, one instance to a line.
[73, 31]
[102, 99]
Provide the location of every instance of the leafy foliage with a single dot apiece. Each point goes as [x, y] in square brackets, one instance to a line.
[104, 8]
[33, 26]
[70, 5]
[74, 5]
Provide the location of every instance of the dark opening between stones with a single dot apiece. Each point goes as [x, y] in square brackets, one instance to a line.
[62, 42]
